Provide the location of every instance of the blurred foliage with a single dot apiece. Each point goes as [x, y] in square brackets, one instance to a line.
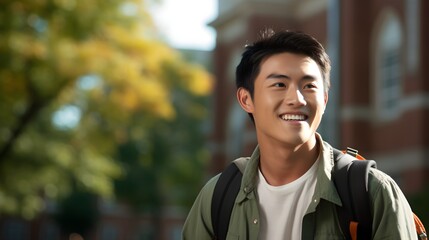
[165, 163]
[78, 214]
[89, 95]
[419, 204]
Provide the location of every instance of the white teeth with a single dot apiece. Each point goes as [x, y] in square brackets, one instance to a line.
[293, 117]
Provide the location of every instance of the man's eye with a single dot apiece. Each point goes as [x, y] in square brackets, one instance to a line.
[279, 84]
[310, 86]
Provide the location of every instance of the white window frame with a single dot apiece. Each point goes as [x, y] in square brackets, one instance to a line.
[387, 66]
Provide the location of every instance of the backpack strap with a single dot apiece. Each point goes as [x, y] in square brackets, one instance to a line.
[223, 200]
[421, 231]
[351, 180]
[339, 176]
[358, 184]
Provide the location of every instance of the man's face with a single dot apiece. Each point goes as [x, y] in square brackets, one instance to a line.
[289, 99]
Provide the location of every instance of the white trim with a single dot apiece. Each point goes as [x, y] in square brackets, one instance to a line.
[231, 31]
[356, 113]
[227, 5]
[415, 101]
[408, 103]
[308, 8]
[397, 162]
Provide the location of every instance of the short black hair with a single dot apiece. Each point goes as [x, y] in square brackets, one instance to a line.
[271, 43]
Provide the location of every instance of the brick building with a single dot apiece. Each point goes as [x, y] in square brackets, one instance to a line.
[379, 100]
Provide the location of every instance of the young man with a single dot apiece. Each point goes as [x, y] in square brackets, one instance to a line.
[286, 190]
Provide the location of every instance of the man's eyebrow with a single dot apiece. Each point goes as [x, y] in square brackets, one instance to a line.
[284, 76]
[309, 77]
[277, 76]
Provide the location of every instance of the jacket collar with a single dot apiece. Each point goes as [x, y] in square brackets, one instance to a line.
[325, 188]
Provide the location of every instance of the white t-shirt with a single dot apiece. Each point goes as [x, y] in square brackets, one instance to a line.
[282, 208]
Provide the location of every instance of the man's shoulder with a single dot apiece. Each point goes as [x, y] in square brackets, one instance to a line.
[381, 181]
[210, 185]
[241, 163]
[380, 176]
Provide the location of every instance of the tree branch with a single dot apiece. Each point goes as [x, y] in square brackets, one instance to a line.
[29, 114]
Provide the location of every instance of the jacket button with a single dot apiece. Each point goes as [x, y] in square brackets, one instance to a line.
[255, 221]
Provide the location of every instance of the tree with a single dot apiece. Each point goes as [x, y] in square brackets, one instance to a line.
[77, 80]
[164, 165]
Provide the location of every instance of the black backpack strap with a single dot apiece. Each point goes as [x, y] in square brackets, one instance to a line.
[340, 178]
[358, 184]
[351, 180]
[223, 200]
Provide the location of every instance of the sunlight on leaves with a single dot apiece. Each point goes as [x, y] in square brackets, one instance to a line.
[79, 80]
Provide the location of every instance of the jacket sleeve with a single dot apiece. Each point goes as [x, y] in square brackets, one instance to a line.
[198, 224]
[392, 215]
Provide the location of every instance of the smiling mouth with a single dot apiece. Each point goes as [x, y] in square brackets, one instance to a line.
[294, 117]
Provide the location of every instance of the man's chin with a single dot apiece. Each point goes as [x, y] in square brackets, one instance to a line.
[299, 140]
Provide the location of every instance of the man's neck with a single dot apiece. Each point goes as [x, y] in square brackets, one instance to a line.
[282, 164]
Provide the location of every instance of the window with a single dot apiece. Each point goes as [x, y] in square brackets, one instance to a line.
[390, 80]
[388, 67]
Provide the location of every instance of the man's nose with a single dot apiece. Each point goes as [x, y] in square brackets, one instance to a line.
[294, 97]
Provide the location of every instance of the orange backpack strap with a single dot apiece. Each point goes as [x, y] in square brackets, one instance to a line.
[421, 231]
[353, 228]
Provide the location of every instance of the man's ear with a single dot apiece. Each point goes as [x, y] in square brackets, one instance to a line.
[326, 98]
[326, 101]
[245, 100]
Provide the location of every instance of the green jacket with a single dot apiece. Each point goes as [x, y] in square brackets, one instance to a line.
[392, 216]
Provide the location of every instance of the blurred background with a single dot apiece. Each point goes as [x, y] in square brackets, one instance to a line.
[114, 113]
